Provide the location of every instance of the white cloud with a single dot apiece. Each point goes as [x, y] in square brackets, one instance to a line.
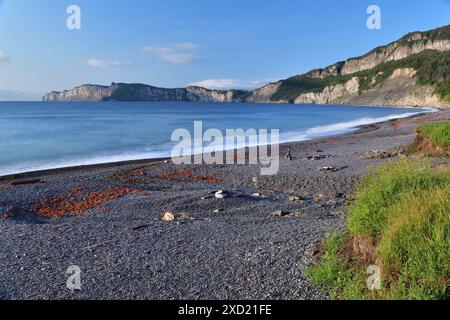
[178, 58]
[176, 53]
[225, 84]
[4, 57]
[104, 64]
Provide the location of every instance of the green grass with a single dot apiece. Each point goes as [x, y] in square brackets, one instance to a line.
[415, 247]
[438, 133]
[404, 207]
[332, 272]
[385, 186]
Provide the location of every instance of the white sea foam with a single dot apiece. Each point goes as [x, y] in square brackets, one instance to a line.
[341, 128]
[309, 134]
[74, 162]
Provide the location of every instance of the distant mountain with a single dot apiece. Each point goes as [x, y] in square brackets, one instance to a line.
[143, 92]
[413, 71]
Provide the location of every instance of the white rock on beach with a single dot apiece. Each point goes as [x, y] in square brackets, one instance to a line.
[221, 194]
[167, 217]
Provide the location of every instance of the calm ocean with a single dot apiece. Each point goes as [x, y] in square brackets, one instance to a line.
[36, 135]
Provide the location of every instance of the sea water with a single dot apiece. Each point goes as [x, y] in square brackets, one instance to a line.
[38, 135]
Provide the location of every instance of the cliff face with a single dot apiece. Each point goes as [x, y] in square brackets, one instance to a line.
[399, 89]
[408, 45]
[263, 95]
[141, 92]
[199, 94]
[331, 94]
[393, 52]
[85, 92]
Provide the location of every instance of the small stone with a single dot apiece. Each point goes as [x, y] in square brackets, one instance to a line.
[306, 198]
[293, 199]
[217, 211]
[376, 154]
[280, 213]
[319, 197]
[167, 217]
[183, 216]
[289, 155]
[3, 214]
[296, 213]
[328, 169]
[319, 157]
[256, 195]
[339, 213]
[221, 194]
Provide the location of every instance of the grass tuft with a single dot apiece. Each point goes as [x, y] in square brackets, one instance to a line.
[438, 133]
[383, 187]
[415, 247]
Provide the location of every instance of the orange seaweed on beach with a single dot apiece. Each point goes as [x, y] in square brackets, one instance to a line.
[58, 206]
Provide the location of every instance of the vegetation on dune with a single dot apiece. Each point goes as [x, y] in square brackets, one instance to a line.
[438, 133]
[415, 247]
[432, 68]
[333, 272]
[383, 187]
[403, 210]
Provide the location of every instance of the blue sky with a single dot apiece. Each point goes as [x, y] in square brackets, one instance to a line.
[174, 43]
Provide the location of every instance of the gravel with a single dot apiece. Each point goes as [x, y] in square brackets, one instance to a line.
[230, 248]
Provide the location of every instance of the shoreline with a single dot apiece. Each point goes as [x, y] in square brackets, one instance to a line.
[234, 103]
[254, 244]
[356, 130]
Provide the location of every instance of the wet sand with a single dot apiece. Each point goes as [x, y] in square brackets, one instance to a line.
[106, 220]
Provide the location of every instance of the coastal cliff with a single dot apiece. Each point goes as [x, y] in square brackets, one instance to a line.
[412, 71]
[142, 92]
